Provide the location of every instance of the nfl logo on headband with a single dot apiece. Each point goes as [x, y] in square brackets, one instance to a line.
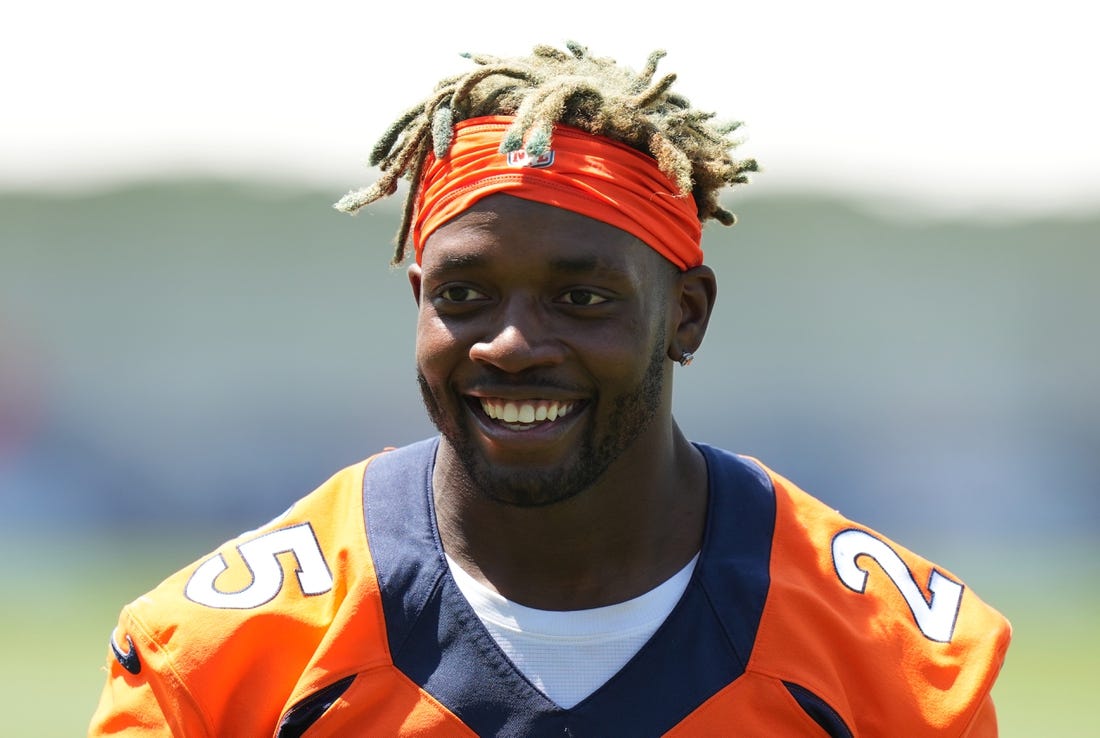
[522, 159]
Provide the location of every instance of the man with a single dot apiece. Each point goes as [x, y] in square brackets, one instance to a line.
[561, 560]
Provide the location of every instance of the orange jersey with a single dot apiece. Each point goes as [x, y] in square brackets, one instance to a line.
[340, 618]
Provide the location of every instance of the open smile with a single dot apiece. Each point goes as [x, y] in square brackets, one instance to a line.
[524, 415]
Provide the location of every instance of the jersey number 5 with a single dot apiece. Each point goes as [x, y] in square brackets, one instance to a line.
[935, 617]
[260, 556]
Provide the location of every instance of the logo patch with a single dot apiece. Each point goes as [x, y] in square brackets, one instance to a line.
[129, 659]
[522, 159]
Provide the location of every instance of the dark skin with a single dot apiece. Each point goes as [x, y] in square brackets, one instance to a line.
[525, 304]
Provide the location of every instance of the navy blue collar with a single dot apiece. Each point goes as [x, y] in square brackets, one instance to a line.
[437, 640]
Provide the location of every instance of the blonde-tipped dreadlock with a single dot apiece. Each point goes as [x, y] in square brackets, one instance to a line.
[575, 89]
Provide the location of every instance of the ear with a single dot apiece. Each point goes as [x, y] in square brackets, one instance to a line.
[415, 276]
[693, 296]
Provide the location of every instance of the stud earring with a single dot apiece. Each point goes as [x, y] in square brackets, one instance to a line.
[686, 358]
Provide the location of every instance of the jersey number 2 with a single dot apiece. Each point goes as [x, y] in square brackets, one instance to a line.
[260, 556]
[935, 617]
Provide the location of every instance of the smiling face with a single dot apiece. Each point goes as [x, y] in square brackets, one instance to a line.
[542, 347]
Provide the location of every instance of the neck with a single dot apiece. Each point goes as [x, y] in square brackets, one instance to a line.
[636, 526]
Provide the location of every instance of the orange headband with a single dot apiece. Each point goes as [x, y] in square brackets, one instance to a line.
[586, 174]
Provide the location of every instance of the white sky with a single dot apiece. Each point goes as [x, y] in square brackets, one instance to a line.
[971, 105]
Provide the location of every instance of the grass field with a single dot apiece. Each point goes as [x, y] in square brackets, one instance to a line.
[53, 634]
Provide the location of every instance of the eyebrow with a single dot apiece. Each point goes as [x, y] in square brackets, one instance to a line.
[457, 262]
[577, 265]
[462, 261]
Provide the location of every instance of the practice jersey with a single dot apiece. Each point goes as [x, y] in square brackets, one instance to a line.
[340, 618]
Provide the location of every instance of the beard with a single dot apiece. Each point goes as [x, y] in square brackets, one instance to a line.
[631, 413]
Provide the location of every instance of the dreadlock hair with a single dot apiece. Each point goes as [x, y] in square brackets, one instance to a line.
[575, 89]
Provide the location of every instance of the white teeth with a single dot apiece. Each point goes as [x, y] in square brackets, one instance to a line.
[525, 411]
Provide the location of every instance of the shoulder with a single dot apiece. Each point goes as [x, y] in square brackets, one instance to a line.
[189, 644]
[246, 573]
[304, 561]
[882, 635]
[323, 519]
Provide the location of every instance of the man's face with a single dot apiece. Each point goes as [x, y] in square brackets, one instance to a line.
[541, 345]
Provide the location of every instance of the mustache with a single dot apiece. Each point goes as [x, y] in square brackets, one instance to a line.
[490, 378]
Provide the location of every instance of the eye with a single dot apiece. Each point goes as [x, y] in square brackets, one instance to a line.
[460, 293]
[582, 297]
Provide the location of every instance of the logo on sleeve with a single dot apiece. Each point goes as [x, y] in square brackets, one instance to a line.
[129, 658]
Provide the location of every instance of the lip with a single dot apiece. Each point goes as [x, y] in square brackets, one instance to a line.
[523, 392]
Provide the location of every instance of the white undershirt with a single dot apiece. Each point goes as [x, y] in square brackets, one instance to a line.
[568, 655]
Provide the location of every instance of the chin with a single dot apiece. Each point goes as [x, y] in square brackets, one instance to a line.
[601, 437]
[523, 486]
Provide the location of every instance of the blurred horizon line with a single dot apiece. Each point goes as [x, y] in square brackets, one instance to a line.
[891, 205]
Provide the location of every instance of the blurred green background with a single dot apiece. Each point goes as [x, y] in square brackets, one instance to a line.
[179, 360]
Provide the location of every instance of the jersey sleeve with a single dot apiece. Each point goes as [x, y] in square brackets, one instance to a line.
[219, 647]
[143, 697]
[894, 643]
[984, 724]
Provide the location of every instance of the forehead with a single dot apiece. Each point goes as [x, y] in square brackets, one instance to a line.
[526, 234]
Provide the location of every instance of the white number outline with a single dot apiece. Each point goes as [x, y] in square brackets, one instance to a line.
[260, 556]
[935, 617]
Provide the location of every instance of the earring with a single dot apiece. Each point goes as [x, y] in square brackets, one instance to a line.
[686, 358]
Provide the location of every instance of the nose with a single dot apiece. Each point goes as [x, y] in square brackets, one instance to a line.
[520, 338]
